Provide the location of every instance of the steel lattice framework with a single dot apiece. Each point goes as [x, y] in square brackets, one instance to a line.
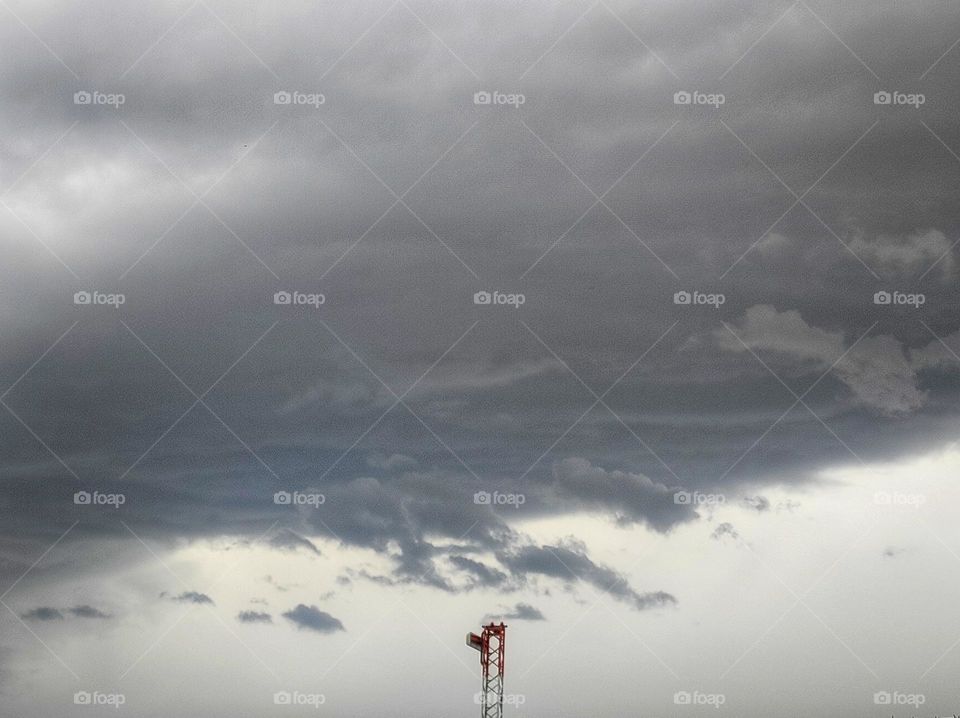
[492, 647]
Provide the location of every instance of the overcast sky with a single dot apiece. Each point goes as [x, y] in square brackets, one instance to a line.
[331, 330]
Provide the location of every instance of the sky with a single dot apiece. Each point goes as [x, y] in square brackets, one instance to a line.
[331, 331]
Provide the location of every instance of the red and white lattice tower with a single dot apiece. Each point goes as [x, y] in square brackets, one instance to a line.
[492, 645]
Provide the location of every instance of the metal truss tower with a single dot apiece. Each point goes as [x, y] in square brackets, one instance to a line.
[492, 647]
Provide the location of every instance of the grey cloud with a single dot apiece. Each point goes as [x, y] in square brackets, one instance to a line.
[193, 597]
[758, 503]
[482, 575]
[254, 617]
[288, 540]
[877, 370]
[499, 399]
[85, 611]
[917, 252]
[312, 618]
[392, 462]
[520, 612]
[43, 613]
[725, 530]
[631, 497]
[571, 564]
[282, 588]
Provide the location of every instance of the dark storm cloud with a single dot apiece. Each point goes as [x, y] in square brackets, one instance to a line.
[312, 618]
[254, 617]
[43, 613]
[757, 503]
[86, 611]
[631, 497]
[47, 613]
[193, 597]
[725, 530]
[571, 564]
[482, 575]
[510, 407]
[288, 540]
[434, 516]
[520, 612]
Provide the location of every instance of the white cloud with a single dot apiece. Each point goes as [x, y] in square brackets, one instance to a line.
[908, 254]
[876, 370]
